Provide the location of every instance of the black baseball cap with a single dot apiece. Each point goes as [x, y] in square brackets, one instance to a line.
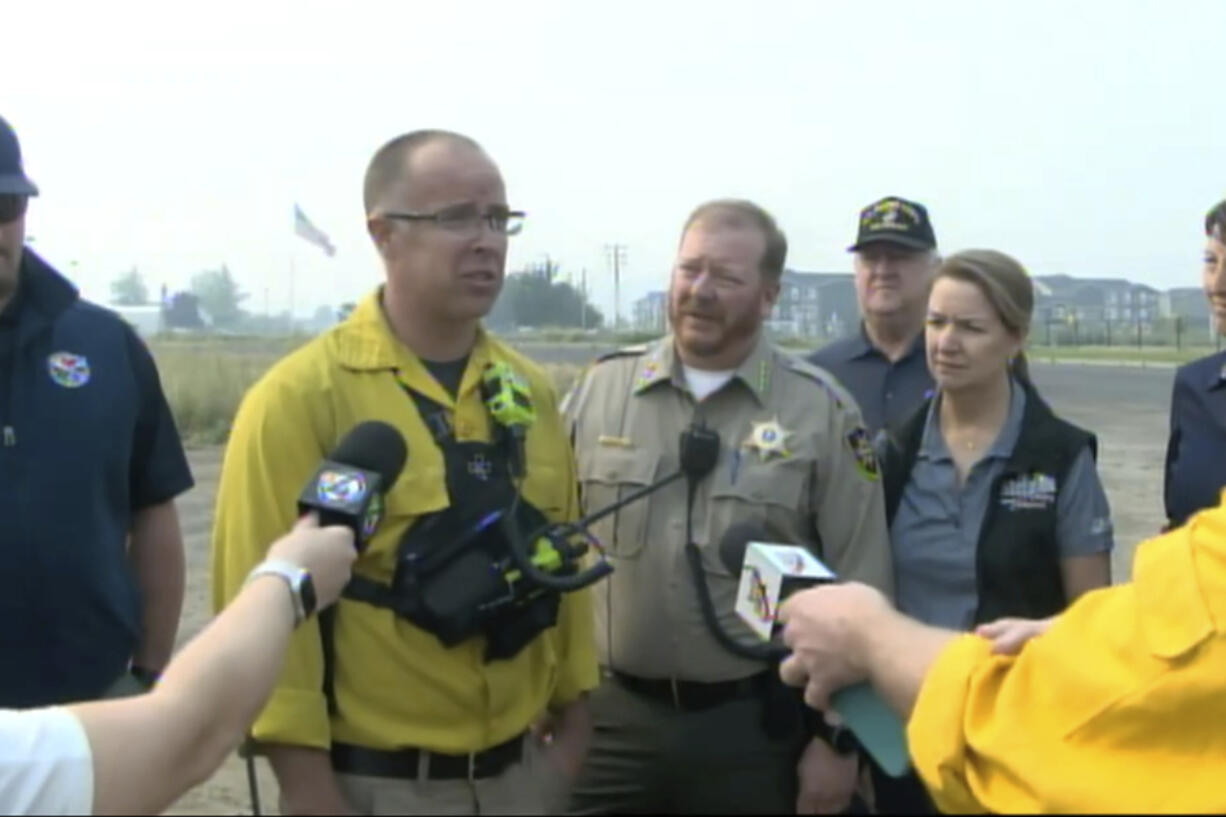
[13, 179]
[894, 220]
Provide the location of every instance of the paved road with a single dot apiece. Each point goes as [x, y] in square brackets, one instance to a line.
[1105, 388]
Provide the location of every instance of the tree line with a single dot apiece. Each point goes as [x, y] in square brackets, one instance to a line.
[535, 296]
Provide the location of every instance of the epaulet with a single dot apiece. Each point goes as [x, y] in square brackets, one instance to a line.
[804, 368]
[818, 375]
[637, 350]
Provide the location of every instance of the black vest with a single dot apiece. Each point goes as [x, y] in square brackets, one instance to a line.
[1017, 560]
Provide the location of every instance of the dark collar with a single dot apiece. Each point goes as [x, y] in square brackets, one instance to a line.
[858, 346]
[8, 315]
[42, 294]
[1217, 372]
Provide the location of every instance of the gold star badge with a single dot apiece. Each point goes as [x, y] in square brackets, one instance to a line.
[768, 439]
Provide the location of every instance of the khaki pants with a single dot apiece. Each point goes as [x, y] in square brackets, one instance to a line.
[528, 787]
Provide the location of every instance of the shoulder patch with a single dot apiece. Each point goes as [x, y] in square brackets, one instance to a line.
[863, 454]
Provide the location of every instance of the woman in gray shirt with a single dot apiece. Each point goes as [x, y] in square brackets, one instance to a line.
[995, 505]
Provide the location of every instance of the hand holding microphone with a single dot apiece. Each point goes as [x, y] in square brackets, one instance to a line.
[823, 623]
[325, 553]
[825, 628]
[340, 508]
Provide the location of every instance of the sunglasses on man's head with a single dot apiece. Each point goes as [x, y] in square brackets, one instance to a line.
[12, 207]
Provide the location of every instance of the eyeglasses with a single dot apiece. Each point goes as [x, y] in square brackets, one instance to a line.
[465, 219]
[12, 207]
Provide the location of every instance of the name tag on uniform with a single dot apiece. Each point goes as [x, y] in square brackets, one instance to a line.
[617, 442]
[1032, 492]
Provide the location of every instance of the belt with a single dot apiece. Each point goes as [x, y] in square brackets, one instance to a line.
[692, 696]
[406, 764]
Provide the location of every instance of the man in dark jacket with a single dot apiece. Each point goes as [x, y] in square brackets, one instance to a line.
[91, 556]
[883, 364]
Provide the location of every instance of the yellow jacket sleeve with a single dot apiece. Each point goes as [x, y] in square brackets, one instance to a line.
[578, 671]
[273, 450]
[1118, 707]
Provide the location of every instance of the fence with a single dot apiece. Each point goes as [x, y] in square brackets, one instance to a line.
[1170, 333]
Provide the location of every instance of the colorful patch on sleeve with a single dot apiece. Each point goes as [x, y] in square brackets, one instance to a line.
[862, 452]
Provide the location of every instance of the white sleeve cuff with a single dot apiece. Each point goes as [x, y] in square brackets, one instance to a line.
[46, 766]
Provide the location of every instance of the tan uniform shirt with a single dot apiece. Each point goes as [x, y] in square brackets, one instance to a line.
[793, 456]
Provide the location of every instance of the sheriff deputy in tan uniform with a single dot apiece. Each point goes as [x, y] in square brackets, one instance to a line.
[679, 720]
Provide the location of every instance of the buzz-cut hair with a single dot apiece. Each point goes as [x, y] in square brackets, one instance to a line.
[389, 164]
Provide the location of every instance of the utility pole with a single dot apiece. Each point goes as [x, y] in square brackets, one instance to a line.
[291, 291]
[616, 254]
[583, 301]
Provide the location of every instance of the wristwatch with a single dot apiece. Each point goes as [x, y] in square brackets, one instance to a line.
[843, 741]
[301, 588]
[839, 738]
[147, 677]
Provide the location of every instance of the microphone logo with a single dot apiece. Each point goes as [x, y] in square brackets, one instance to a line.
[374, 515]
[341, 487]
[759, 596]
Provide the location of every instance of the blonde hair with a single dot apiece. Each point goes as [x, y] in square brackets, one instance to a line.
[1007, 287]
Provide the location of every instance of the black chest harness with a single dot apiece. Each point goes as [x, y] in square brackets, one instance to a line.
[456, 576]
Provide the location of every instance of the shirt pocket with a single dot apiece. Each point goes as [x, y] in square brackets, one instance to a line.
[547, 490]
[769, 495]
[608, 474]
[420, 490]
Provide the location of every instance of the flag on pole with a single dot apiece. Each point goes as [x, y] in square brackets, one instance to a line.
[305, 229]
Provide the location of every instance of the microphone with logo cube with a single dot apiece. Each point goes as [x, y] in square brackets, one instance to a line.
[347, 488]
[769, 574]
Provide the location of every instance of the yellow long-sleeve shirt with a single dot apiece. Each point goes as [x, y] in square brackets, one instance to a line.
[395, 684]
[1119, 706]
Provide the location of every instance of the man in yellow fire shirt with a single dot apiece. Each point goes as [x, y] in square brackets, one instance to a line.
[417, 724]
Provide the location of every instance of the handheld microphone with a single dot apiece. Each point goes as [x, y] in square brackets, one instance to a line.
[348, 487]
[769, 574]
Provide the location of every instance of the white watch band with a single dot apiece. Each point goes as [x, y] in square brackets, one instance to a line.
[291, 574]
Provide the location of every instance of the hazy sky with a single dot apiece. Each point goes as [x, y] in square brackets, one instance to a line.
[1082, 137]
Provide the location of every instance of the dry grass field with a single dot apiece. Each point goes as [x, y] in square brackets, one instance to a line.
[1126, 407]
